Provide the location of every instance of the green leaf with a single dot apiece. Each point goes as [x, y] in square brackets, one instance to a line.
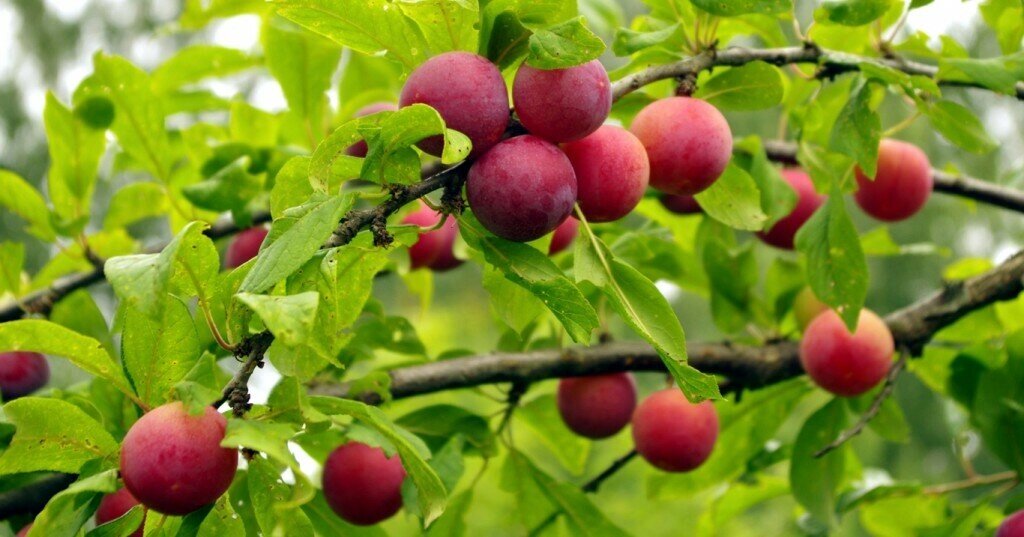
[232, 188]
[858, 129]
[639, 303]
[55, 340]
[53, 435]
[541, 414]
[437, 423]
[836, 269]
[754, 86]
[513, 305]
[159, 353]
[330, 165]
[734, 199]
[431, 491]
[367, 26]
[135, 202]
[564, 45]
[12, 261]
[272, 500]
[777, 197]
[628, 41]
[139, 117]
[327, 522]
[293, 240]
[271, 439]
[731, 8]
[997, 74]
[75, 151]
[291, 186]
[446, 24]
[122, 526]
[453, 522]
[290, 318]
[1003, 17]
[66, 513]
[998, 409]
[303, 64]
[508, 24]
[197, 62]
[532, 270]
[391, 159]
[814, 481]
[852, 12]
[17, 196]
[959, 125]
[222, 521]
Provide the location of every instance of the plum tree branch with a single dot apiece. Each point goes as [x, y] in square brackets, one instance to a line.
[830, 63]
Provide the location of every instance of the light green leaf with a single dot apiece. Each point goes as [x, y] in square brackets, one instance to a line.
[852, 12]
[17, 196]
[12, 261]
[563, 45]
[122, 526]
[303, 64]
[272, 500]
[330, 165]
[814, 481]
[446, 24]
[75, 151]
[541, 414]
[754, 86]
[1003, 17]
[53, 435]
[291, 186]
[508, 24]
[731, 8]
[232, 188]
[998, 74]
[66, 513]
[293, 240]
[858, 129]
[628, 41]
[272, 439]
[252, 126]
[135, 202]
[959, 125]
[159, 353]
[197, 62]
[777, 197]
[432, 495]
[390, 158]
[734, 199]
[290, 318]
[55, 340]
[836, 269]
[222, 521]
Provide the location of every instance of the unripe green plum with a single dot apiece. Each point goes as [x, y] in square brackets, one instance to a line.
[114, 506]
[563, 235]
[362, 484]
[597, 406]
[562, 105]
[782, 234]
[1012, 526]
[672, 433]
[843, 363]
[688, 142]
[245, 246]
[469, 93]
[806, 307]
[680, 203]
[611, 172]
[433, 249]
[173, 462]
[522, 189]
[902, 184]
[359, 149]
[22, 373]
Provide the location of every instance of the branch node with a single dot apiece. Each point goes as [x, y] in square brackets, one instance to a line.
[382, 238]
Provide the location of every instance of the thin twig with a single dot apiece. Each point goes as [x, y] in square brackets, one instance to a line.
[977, 481]
[873, 410]
[594, 484]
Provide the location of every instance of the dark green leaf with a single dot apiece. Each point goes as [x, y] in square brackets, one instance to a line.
[852, 12]
[814, 481]
[563, 45]
[731, 8]
[754, 86]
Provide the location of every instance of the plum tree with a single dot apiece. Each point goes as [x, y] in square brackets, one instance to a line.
[598, 406]
[434, 249]
[245, 246]
[1012, 526]
[22, 373]
[611, 172]
[688, 142]
[843, 363]
[562, 105]
[114, 506]
[359, 149]
[362, 484]
[902, 183]
[781, 234]
[806, 307]
[173, 462]
[672, 433]
[680, 203]
[563, 235]
[469, 93]
[522, 189]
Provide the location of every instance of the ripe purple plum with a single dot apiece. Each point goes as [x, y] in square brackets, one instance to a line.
[245, 246]
[843, 363]
[806, 307]
[562, 105]
[599, 406]
[672, 433]
[522, 189]
[434, 249]
[680, 203]
[611, 172]
[808, 200]
[22, 373]
[114, 506]
[688, 142]
[1012, 526]
[563, 235]
[173, 462]
[902, 184]
[359, 149]
[469, 93]
[362, 484]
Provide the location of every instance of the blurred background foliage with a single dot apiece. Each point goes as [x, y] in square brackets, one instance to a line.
[48, 44]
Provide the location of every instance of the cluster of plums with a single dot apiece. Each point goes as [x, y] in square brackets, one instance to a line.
[899, 189]
[669, 431]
